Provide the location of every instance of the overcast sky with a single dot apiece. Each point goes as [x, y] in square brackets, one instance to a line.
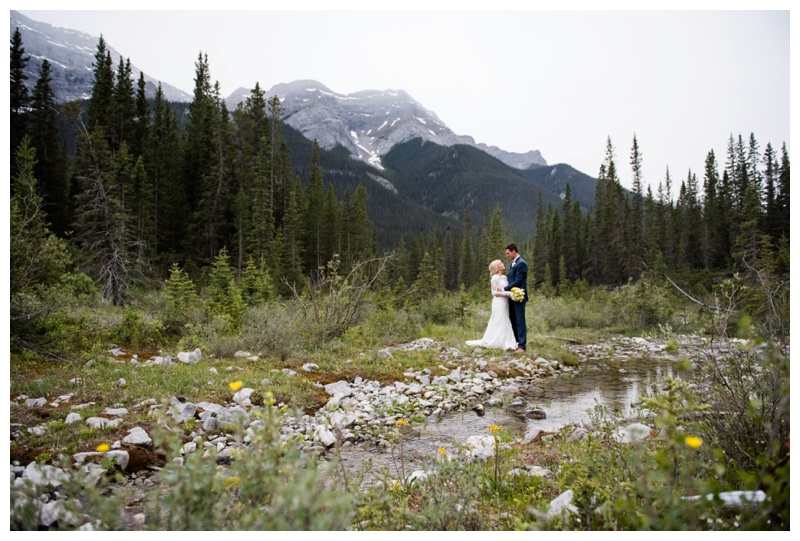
[560, 82]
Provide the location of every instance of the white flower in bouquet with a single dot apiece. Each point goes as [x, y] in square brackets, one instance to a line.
[517, 294]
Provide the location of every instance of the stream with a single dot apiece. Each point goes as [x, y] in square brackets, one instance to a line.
[567, 399]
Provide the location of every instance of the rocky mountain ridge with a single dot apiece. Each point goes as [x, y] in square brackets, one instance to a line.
[71, 56]
[369, 123]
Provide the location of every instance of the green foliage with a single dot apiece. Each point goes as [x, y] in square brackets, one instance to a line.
[182, 303]
[642, 304]
[136, 333]
[270, 329]
[336, 302]
[222, 295]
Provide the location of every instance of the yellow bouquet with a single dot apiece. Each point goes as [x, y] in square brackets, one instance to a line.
[517, 294]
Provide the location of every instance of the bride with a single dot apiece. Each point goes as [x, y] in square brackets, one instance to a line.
[499, 333]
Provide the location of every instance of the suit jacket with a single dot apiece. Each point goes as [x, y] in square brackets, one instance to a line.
[518, 277]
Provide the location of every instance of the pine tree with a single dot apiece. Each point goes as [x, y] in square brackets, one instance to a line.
[426, 285]
[18, 91]
[101, 227]
[277, 181]
[292, 240]
[782, 199]
[496, 236]
[465, 265]
[37, 257]
[222, 296]
[450, 261]
[711, 219]
[169, 213]
[51, 165]
[102, 102]
[637, 207]
[141, 122]
[556, 245]
[141, 213]
[124, 108]
[570, 238]
[540, 246]
[314, 214]
[215, 203]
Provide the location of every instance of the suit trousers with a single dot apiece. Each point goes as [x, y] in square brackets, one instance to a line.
[516, 313]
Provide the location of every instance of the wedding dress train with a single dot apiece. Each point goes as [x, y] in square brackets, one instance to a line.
[499, 333]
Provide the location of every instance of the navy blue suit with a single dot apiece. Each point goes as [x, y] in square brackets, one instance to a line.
[518, 277]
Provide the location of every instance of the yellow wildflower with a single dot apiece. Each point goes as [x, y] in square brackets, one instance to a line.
[495, 428]
[235, 385]
[103, 447]
[401, 422]
[231, 482]
[442, 451]
[693, 441]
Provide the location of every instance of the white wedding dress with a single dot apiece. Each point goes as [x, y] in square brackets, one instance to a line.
[499, 333]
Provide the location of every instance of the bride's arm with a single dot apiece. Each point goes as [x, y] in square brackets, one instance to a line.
[497, 288]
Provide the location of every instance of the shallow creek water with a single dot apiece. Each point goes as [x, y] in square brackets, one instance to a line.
[567, 399]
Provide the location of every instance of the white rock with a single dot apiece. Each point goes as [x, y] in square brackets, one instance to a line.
[631, 433]
[137, 436]
[102, 422]
[310, 367]
[115, 411]
[242, 396]
[182, 411]
[38, 430]
[481, 447]
[35, 402]
[190, 357]
[242, 354]
[120, 457]
[341, 387]
[213, 370]
[561, 504]
[81, 406]
[117, 352]
[44, 475]
[324, 436]
[73, 418]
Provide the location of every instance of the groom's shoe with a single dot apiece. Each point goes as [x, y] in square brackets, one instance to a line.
[519, 350]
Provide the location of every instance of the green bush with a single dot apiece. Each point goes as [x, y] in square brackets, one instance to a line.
[134, 332]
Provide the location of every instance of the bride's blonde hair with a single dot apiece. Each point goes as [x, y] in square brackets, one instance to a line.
[493, 266]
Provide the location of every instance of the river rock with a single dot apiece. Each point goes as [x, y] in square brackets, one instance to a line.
[517, 405]
[535, 413]
[480, 447]
[632, 433]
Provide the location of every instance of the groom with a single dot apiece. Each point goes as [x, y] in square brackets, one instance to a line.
[517, 277]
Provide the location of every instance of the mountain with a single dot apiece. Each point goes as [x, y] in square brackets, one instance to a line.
[369, 123]
[71, 56]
